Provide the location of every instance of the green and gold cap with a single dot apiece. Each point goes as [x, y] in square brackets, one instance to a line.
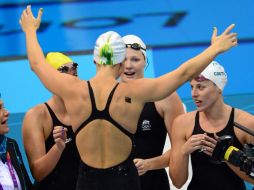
[109, 49]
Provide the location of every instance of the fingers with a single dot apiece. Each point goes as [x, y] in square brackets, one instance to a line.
[208, 148]
[228, 29]
[59, 132]
[208, 144]
[196, 139]
[208, 151]
[22, 17]
[216, 136]
[210, 140]
[141, 173]
[40, 12]
[140, 165]
[235, 43]
[24, 13]
[62, 131]
[197, 144]
[233, 38]
[137, 162]
[232, 35]
[194, 143]
[203, 143]
[27, 15]
[28, 9]
[215, 31]
[59, 135]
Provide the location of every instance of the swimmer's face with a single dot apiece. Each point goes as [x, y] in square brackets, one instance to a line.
[204, 93]
[134, 65]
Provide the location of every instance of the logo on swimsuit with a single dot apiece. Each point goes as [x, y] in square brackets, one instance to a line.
[146, 126]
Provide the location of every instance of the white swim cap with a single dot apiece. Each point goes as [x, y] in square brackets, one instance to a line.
[215, 73]
[109, 49]
[135, 43]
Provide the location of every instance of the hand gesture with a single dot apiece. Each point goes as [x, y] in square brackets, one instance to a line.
[59, 134]
[140, 165]
[224, 41]
[28, 21]
[208, 144]
[200, 142]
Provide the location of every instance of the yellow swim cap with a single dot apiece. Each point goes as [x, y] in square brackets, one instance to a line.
[57, 59]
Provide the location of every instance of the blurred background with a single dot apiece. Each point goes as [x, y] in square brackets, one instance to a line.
[173, 30]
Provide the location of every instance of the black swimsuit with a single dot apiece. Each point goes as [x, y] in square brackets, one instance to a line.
[149, 142]
[123, 176]
[65, 174]
[210, 176]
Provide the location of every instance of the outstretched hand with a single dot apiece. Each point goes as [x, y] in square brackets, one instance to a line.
[27, 20]
[226, 40]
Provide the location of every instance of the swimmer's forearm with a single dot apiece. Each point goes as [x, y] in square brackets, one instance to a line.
[34, 51]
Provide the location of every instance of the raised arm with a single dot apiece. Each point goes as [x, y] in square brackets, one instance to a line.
[159, 88]
[52, 79]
